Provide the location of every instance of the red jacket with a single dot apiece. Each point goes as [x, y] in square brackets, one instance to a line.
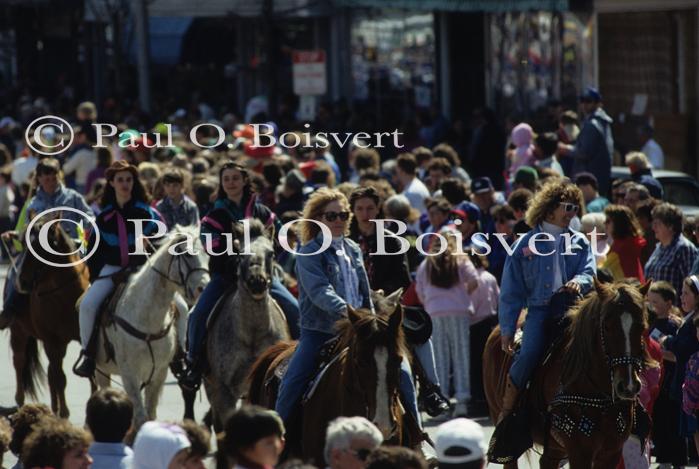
[628, 251]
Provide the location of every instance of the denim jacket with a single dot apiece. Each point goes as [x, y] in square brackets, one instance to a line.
[320, 302]
[527, 277]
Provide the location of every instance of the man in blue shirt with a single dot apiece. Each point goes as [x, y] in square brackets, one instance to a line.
[108, 416]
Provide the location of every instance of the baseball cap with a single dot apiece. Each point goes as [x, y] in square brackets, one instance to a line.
[526, 175]
[467, 210]
[591, 94]
[459, 441]
[481, 185]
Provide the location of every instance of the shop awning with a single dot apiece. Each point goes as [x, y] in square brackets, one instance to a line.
[487, 6]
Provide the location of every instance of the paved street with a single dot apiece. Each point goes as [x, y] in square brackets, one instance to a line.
[78, 390]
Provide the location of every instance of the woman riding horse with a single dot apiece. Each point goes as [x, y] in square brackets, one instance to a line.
[328, 282]
[234, 202]
[124, 199]
[50, 193]
[543, 263]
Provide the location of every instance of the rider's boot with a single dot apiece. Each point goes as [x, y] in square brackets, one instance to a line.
[85, 367]
[190, 378]
[434, 401]
[509, 401]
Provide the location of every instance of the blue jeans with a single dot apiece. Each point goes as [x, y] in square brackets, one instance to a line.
[288, 304]
[303, 365]
[196, 322]
[535, 342]
[425, 353]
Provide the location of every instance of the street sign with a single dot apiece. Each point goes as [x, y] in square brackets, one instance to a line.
[309, 72]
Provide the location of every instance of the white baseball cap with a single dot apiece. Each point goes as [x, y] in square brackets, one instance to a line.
[463, 437]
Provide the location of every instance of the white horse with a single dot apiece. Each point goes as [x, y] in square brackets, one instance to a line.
[142, 335]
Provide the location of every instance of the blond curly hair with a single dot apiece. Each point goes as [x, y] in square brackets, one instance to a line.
[546, 201]
[315, 206]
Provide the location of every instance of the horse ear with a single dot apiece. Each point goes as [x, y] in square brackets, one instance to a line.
[645, 287]
[353, 314]
[396, 319]
[394, 298]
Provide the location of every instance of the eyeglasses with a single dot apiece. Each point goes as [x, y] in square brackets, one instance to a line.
[570, 207]
[332, 216]
[361, 454]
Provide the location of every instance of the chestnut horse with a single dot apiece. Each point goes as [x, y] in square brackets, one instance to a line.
[51, 316]
[361, 380]
[582, 402]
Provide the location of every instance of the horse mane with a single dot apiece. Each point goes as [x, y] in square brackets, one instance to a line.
[585, 321]
[366, 327]
[162, 244]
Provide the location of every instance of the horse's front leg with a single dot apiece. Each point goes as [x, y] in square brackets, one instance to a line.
[153, 390]
[18, 343]
[132, 386]
[56, 351]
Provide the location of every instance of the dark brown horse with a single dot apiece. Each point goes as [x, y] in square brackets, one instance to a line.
[51, 316]
[362, 380]
[590, 384]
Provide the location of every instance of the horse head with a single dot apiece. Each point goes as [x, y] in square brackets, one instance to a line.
[256, 263]
[49, 244]
[376, 348]
[612, 321]
[188, 265]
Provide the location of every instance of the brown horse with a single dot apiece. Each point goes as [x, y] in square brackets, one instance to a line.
[582, 402]
[362, 380]
[50, 316]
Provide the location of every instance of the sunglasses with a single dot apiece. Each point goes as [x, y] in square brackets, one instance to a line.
[361, 454]
[570, 207]
[332, 216]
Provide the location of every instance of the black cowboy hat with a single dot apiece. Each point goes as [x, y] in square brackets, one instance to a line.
[417, 325]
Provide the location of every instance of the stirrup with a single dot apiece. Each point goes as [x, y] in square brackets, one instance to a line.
[190, 379]
[84, 366]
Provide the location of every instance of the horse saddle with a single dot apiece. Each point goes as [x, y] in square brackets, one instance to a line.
[218, 307]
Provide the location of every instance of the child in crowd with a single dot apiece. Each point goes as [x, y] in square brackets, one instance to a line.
[253, 439]
[199, 439]
[108, 417]
[57, 444]
[160, 445]
[23, 422]
[5, 437]
[176, 208]
[444, 284]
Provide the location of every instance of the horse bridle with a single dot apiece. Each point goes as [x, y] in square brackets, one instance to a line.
[622, 360]
[183, 275]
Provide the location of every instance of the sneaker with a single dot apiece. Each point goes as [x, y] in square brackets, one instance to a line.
[86, 367]
[435, 403]
[460, 410]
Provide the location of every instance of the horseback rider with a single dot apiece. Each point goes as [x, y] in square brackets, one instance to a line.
[543, 263]
[328, 282]
[124, 199]
[235, 201]
[389, 273]
[49, 192]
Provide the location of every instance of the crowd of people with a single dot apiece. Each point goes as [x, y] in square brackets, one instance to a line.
[551, 180]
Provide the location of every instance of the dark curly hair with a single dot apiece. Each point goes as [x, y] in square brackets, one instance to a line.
[23, 422]
[47, 445]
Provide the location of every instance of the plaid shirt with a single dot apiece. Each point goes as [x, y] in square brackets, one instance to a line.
[672, 263]
[184, 214]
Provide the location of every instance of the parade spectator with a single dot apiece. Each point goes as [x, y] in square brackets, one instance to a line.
[364, 160]
[522, 138]
[568, 131]
[423, 156]
[519, 200]
[592, 226]
[438, 210]
[636, 194]
[683, 345]
[645, 220]
[108, 417]
[454, 190]
[253, 438]
[466, 218]
[104, 161]
[176, 208]
[23, 423]
[22, 168]
[411, 187]
[483, 195]
[198, 437]
[398, 208]
[594, 202]
[57, 444]
[618, 191]
[641, 173]
[395, 457]
[349, 441]
[624, 257]
[674, 254]
[665, 319]
[460, 444]
[594, 147]
[291, 194]
[650, 147]
[160, 445]
[526, 177]
[690, 387]
[438, 170]
[82, 160]
[444, 284]
[446, 151]
[504, 218]
[545, 152]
